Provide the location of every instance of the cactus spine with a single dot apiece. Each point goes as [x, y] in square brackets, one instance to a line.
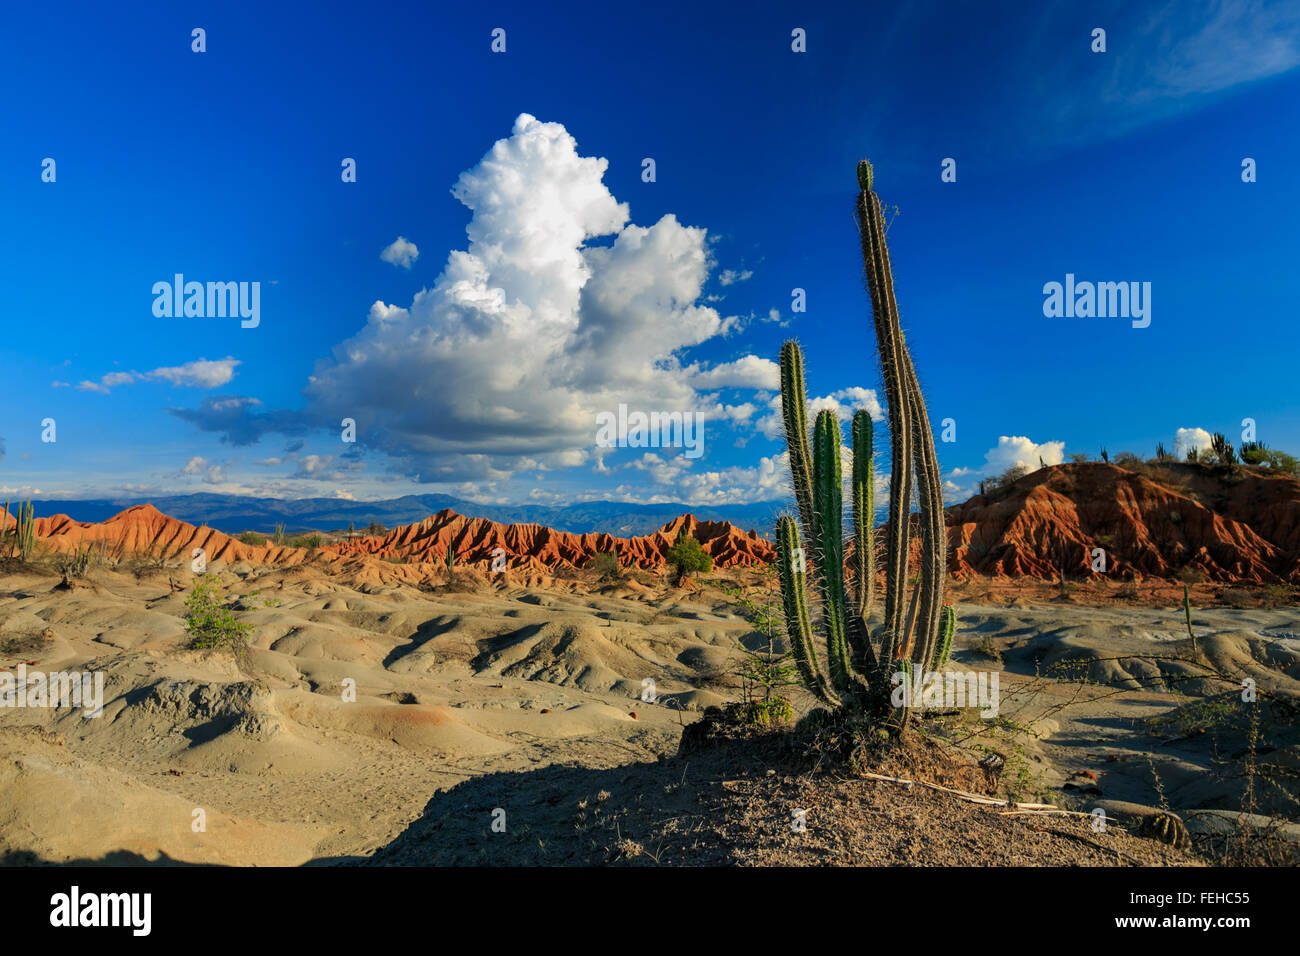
[860, 668]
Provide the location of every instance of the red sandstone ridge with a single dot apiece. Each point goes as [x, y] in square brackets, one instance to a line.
[145, 531]
[1241, 526]
[532, 545]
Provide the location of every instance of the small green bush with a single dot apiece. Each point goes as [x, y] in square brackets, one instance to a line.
[252, 537]
[764, 714]
[209, 623]
[688, 556]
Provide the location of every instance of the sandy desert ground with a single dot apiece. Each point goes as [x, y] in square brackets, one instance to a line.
[528, 699]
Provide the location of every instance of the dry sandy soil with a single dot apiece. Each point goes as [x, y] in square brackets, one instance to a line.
[526, 700]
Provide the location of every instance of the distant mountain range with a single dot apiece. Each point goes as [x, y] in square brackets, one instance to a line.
[235, 513]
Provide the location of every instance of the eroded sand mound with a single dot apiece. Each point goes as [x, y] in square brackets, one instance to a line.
[349, 709]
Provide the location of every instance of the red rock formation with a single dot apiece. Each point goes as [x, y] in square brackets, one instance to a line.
[1244, 529]
[536, 546]
[144, 531]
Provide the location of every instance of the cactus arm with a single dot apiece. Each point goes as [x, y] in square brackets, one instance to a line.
[27, 536]
[794, 412]
[797, 621]
[828, 515]
[934, 531]
[889, 339]
[864, 511]
[905, 647]
[947, 628]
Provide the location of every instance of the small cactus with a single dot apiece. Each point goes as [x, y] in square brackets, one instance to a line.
[947, 629]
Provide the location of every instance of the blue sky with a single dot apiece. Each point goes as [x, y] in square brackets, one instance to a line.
[553, 283]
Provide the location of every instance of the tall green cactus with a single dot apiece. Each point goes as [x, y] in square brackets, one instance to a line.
[889, 342]
[861, 668]
[828, 519]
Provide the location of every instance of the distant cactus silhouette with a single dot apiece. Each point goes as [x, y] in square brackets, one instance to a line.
[1222, 449]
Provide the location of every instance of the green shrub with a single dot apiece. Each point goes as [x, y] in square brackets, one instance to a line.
[309, 541]
[687, 556]
[605, 564]
[252, 537]
[764, 714]
[1256, 453]
[209, 623]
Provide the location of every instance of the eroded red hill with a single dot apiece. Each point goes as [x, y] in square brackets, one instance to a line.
[144, 531]
[1241, 527]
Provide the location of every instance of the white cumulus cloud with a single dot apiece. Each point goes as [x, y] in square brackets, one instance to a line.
[747, 372]
[400, 252]
[1185, 439]
[530, 331]
[1019, 450]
